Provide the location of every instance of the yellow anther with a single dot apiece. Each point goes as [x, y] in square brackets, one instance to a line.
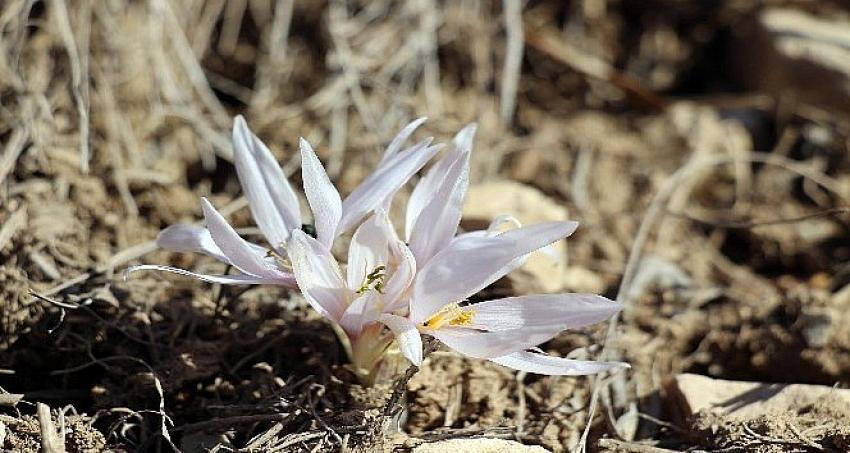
[452, 315]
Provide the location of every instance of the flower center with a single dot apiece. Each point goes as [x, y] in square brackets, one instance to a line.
[451, 315]
[374, 280]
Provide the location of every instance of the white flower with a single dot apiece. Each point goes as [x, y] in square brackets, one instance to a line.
[275, 208]
[501, 330]
[453, 268]
[379, 270]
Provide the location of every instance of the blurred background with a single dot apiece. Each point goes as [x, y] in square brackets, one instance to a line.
[703, 146]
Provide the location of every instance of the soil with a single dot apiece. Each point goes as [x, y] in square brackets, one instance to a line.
[114, 121]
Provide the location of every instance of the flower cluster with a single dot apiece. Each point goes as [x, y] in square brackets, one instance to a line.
[389, 288]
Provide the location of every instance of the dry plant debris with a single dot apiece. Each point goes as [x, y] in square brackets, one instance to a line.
[727, 191]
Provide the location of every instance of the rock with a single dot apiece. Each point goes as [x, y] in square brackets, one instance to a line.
[485, 202]
[478, 446]
[689, 394]
[791, 52]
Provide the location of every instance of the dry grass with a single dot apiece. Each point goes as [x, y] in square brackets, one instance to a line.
[730, 255]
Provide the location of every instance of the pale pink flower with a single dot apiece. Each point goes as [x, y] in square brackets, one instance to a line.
[501, 330]
[275, 208]
[452, 268]
[379, 270]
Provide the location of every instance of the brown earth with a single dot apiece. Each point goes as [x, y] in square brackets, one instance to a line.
[730, 199]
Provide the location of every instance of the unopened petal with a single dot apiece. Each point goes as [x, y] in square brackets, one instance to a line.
[273, 203]
[408, 338]
[324, 199]
[533, 362]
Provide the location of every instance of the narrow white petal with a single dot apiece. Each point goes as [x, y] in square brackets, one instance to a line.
[533, 362]
[395, 145]
[384, 183]
[318, 276]
[427, 187]
[287, 281]
[189, 238]
[455, 273]
[368, 249]
[322, 195]
[438, 222]
[404, 271]
[486, 345]
[468, 266]
[239, 252]
[273, 203]
[554, 312]
[463, 139]
[363, 311]
[409, 340]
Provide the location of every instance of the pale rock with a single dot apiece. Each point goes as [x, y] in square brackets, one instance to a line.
[478, 446]
[739, 400]
[484, 202]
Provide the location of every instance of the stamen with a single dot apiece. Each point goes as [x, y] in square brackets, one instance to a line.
[374, 280]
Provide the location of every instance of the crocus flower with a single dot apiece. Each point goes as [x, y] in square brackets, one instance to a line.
[380, 268]
[453, 267]
[501, 330]
[275, 208]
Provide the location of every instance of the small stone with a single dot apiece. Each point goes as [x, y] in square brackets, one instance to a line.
[689, 394]
[485, 202]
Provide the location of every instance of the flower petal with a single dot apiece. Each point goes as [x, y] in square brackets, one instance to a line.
[273, 203]
[189, 238]
[318, 276]
[369, 248]
[409, 340]
[458, 271]
[395, 145]
[240, 253]
[322, 195]
[383, 183]
[287, 281]
[552, 312]
[403, 265]
[533, 362]
[427, 187]
[363, 311]
[438, 222]
[468, 266]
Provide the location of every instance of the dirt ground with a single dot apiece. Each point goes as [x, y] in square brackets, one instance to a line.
[711, 178]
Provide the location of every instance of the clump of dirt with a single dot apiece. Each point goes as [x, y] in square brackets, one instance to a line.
[821, 427]
[24, 435]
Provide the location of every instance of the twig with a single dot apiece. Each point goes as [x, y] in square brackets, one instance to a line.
[13, 224]
[14, 147]
[754, 223]
[50, 440]
[393, 407]
[79, 69]
[513, 59]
